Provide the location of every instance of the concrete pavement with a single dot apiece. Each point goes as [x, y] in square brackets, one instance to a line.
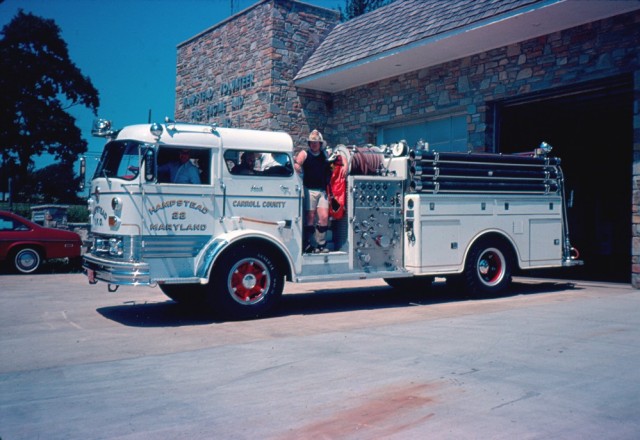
[356, 360]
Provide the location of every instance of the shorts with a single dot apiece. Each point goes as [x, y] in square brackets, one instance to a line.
[315, 198]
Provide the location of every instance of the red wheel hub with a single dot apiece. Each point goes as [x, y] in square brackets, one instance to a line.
[249, 281]
[491, 267]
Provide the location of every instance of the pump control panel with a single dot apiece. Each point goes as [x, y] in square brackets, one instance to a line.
[377, 225]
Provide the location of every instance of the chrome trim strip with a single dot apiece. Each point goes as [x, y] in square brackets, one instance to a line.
[209, 255]
[349, 276]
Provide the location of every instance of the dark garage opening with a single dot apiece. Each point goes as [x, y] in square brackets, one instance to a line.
[591, 130]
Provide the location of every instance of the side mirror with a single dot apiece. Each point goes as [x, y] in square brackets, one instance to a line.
[150, 165]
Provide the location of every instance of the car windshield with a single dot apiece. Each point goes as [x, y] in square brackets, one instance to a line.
[120, 160]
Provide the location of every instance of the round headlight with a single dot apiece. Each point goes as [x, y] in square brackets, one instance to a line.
[116, 204]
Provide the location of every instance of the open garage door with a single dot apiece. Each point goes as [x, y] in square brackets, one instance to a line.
[591, 130]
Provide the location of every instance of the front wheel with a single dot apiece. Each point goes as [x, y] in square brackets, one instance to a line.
[488, 268]
[26, 260]
[245, 284]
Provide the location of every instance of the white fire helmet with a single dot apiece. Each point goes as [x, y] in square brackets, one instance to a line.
[316, 136]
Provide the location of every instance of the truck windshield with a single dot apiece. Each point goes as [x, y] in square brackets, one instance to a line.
[120, 160]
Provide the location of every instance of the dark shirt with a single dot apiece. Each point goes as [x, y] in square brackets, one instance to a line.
[315, 171]
[243, 168]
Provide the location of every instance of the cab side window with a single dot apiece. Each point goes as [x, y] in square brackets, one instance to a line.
[184, 165]
[258, 163]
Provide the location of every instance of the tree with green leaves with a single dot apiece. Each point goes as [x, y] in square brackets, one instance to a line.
[44, 185]
[355, 8]
[39, 84]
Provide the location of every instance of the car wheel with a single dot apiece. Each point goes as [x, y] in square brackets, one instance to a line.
[26, 260]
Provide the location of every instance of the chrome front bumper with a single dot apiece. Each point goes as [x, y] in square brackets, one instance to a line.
[125, 273]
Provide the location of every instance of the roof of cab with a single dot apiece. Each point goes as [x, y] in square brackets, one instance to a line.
[208, 136]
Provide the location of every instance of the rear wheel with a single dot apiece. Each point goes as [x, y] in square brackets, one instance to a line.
[26, 260]
[488, 268]
[245, 284]
[187, 294]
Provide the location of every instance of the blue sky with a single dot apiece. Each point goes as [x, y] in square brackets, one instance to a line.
[128, 50]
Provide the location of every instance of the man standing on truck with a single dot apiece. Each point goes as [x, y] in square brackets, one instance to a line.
[315, 170]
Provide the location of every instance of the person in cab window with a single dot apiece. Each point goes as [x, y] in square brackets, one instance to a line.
[247, 164]
[315, 170]
[275, 164]
[182, 170]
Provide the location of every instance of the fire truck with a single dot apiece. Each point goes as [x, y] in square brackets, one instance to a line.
[230, 240]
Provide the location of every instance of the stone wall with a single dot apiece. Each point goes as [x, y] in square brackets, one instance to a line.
[240, 72]
[469, 85]
[635, 206]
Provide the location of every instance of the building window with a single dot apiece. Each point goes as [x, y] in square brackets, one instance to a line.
[446, 134]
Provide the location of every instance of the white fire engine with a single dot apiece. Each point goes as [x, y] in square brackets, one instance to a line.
[231, 240]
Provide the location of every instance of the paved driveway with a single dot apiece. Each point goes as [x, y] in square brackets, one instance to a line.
[349, 360]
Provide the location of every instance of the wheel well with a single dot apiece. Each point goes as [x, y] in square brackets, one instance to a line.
[17, 248]
[280, 259]
[496, 237]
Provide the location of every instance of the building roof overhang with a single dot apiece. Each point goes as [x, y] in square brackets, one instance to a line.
[533, 20]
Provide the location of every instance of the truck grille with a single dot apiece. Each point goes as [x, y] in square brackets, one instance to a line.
[173, 246]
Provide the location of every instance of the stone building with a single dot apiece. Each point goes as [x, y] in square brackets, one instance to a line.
[470, 75]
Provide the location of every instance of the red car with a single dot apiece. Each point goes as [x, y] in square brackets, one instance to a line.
[24, 245]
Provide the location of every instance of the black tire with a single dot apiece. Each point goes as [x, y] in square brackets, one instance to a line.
[75, 264]
[26, 260]
[245, 284]
[185, 294]
[417, 283]
[488, 268]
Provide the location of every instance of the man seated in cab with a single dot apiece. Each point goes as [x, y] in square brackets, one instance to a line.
[247, 164]
[182, 170]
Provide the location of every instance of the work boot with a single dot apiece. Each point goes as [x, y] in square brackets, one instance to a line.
[321, 236]
[308, 237]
